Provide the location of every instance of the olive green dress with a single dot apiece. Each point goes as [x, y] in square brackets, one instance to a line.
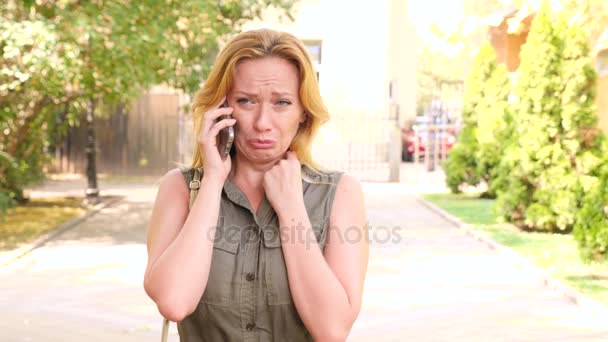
[247, 297]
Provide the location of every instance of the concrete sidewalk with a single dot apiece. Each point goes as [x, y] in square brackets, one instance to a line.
[427, 281]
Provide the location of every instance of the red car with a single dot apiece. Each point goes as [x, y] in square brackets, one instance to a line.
[447, 138]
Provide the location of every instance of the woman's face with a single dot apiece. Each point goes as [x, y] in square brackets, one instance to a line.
[267, 108]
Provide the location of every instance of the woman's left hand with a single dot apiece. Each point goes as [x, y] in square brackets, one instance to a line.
[283, 184]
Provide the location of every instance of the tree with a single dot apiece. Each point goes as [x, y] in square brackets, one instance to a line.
[555, 153]
[494, 127]
[536, 119]
[65, 55]
[484, 116]
[589, 146]
[591, 226]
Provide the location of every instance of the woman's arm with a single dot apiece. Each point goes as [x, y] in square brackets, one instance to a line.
[180, 244]
[327, 287]
[180, 241]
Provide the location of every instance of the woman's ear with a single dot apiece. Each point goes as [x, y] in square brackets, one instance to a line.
[303, 117]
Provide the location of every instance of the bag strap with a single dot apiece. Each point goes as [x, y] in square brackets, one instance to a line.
[165, 333]
[194, 185]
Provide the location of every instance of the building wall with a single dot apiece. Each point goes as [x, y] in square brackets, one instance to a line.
[496, 35]
[513, 47]
[402, 61]
[508, 45]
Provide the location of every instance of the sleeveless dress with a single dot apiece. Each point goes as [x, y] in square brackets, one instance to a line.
[247, 297]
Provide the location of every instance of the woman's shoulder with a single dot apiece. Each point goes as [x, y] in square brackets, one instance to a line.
[320, 175]
[187, 173]
[176, 179]
[172, 187]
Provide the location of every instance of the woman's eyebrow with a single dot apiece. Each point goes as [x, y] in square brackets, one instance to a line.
[274, 93]
[281, 94]
[244, 93]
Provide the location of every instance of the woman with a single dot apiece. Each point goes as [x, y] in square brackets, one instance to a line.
[220, 269]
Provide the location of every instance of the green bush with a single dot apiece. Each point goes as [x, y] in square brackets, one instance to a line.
[460, 166]
[493, 127]
[591, 226]
[591, 221]
[6, 163]
[552, 161]
[477, 151]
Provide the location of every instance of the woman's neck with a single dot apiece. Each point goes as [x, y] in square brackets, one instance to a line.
[248, 176]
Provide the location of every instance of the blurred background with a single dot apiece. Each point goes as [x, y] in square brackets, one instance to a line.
[476, 126]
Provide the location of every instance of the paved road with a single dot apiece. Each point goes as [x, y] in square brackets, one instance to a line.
[429, 282]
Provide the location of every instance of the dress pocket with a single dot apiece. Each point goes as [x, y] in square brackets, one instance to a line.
[275, 270]
[223, 283]
[277, 284]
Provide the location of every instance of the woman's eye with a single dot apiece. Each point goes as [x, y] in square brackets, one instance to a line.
[283, 103]
[243, 101]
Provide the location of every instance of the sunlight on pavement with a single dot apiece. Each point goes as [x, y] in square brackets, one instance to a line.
[107, 263]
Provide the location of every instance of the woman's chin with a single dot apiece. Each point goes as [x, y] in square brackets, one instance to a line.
[263, 156]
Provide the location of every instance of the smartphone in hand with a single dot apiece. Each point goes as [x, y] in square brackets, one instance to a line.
[225, 137]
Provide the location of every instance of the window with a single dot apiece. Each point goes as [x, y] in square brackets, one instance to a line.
[602, 63]
[314, 49]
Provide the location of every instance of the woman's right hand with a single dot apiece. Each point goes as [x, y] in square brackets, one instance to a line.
[214, 166]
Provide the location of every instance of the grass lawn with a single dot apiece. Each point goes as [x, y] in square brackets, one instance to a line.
[25, 223]
[557, 253]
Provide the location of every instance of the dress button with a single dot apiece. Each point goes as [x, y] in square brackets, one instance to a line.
[250, 276]
[250, 326]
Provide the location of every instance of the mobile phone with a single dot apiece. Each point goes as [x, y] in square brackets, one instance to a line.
[225, 137]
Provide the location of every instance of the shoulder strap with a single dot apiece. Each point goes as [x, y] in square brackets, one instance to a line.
[194, 185]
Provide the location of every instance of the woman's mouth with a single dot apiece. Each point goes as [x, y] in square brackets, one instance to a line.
[262, 143]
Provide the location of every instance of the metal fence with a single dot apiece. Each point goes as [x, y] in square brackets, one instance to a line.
[359, 142]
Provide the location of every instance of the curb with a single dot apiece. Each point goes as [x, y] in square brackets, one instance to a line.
[570, 293]
[9, 257]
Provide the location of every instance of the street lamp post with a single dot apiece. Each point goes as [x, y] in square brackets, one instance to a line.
[92, 192]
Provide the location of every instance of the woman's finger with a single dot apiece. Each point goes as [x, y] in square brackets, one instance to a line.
[211, 117]
[215, 130]
[213, 114]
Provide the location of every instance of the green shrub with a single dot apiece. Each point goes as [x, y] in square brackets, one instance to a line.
[460, 166]
[591, 226]
[485, 103]
[590, 148]
[552, 161]
[493, 127]
[8, 170]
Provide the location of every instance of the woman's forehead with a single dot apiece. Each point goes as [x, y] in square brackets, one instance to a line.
[266, 71]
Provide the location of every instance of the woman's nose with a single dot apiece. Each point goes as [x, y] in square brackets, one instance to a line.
[263, 119]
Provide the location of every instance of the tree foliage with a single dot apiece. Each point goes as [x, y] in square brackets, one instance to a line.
[59, 54]
[591, 226]
[554, 152]
[485, 118]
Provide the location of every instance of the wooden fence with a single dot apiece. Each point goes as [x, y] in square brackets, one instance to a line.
[148, 138]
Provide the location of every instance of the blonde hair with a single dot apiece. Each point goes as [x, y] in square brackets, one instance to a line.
[260, 44]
